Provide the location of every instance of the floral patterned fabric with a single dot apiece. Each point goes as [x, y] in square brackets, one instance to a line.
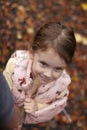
[53, 94]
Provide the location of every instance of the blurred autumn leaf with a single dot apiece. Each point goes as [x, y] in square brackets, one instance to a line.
[81, 39]
[84, 6]
[19, 19]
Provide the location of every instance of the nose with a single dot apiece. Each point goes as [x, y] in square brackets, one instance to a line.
[48, 73]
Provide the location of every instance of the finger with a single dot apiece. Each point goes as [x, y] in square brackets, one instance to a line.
[28, 110]
[28, 104]
[19, 127]
[28, 100]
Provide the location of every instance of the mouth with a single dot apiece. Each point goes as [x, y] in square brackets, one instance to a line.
[43, 79]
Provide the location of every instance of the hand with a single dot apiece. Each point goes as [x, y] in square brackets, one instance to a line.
[30, 105]
[18, 128]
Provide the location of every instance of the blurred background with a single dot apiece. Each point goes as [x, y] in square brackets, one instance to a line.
[19, 19]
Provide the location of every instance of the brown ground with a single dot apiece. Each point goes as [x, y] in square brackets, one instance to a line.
[20, 18]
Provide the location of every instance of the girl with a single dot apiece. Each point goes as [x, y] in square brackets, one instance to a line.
[38, 77]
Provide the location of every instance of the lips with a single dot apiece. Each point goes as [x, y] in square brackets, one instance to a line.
[43, 79]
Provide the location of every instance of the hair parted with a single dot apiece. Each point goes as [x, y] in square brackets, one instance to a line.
[57, 36]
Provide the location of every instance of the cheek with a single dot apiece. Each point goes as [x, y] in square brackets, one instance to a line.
[57, 75]
[36, 69]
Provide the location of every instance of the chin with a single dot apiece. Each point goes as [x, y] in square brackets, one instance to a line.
[44, 83]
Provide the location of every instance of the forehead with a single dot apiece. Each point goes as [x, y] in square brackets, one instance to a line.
[50, 57]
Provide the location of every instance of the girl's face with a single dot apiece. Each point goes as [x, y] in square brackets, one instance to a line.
[47, 66]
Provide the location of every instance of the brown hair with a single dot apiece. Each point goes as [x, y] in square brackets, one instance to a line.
[58, 37]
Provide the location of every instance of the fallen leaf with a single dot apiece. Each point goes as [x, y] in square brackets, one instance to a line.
[84, 6]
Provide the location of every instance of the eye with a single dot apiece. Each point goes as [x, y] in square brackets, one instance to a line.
[58, 69]
[43, 64]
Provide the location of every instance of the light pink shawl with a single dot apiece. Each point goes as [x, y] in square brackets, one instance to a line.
[55, 93]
